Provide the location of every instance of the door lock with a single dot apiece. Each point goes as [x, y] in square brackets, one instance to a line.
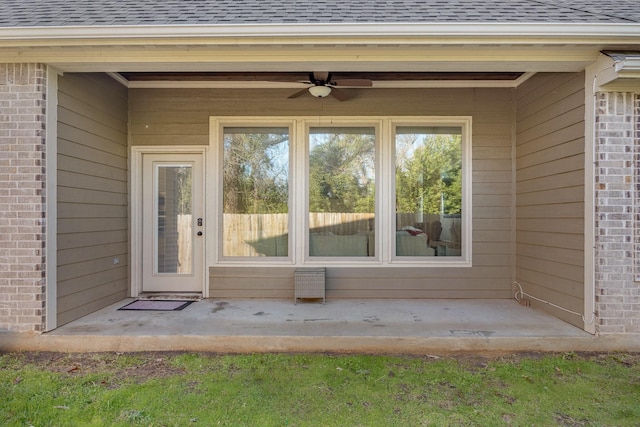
[199, 222]
[199, 233]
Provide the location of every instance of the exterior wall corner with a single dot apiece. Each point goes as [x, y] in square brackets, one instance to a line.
[617, 213]
[23, 198]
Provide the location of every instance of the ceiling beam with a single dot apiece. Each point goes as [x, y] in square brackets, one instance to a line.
[432, 58]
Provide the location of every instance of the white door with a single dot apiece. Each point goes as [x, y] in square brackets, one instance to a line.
[172, 223]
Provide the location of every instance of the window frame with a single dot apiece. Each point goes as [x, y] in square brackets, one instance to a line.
[466, 244]
[298, 221]
[377, 125]
[217, 204]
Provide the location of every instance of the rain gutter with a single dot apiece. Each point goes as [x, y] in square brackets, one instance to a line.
[516, 33]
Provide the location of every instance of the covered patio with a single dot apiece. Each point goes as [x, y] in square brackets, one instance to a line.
[420, 327]
[494, 154]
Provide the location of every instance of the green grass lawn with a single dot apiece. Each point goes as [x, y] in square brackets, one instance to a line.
[186, 389]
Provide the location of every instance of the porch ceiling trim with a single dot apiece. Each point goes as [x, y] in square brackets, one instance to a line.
[396, 84]
[278, 58]
[339, 57]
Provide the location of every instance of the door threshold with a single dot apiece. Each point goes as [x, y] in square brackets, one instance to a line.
[164, 296]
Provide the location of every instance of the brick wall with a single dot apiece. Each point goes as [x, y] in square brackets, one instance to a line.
[22, 197]
[617, 213]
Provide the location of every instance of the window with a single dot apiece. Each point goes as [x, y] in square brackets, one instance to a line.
[353, 191]
[341, 176]
[255, 192]
[173, 196]
[428, 189]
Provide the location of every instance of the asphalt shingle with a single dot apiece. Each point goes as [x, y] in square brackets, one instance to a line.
[35, 13]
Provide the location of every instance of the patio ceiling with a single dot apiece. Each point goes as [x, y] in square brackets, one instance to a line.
[245, 80]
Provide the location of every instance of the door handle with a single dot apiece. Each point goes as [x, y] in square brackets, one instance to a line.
[199, 233]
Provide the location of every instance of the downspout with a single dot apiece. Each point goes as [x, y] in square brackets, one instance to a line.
[514, 188]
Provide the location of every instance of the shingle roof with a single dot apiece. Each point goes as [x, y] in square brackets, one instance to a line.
[38, 13]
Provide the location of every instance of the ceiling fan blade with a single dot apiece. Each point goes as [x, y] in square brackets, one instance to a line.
[353, 82]
[299, 93]
[340, 95]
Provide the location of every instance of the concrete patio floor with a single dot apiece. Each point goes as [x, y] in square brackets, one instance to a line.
[350, 326]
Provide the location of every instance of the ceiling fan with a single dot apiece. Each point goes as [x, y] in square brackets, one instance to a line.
[322, 86]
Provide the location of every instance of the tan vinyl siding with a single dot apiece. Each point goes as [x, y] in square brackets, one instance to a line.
[238, 282]
[550, 191]
[92, 194]
[181, 116]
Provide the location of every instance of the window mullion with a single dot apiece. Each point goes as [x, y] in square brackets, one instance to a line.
[387, 196]
[299, 201]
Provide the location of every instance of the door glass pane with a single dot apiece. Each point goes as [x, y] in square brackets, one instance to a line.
[428, 191]
[173, 207]
[256, 192]
[342, 192]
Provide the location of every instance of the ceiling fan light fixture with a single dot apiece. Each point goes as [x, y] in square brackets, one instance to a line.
[320, 91]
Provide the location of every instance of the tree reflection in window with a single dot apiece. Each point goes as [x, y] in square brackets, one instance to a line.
[256, 191]
[428, 190]
[342, 191]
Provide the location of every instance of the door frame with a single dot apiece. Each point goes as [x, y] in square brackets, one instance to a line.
[135, 210]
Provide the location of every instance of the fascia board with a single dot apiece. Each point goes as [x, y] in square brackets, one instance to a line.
[513, 33]
[622, 85]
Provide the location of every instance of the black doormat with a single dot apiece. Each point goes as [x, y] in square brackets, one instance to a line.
[156, 305]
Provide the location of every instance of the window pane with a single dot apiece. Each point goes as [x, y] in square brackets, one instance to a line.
[174, 234]
[342, 192]
[428, 191]
[256, 192]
